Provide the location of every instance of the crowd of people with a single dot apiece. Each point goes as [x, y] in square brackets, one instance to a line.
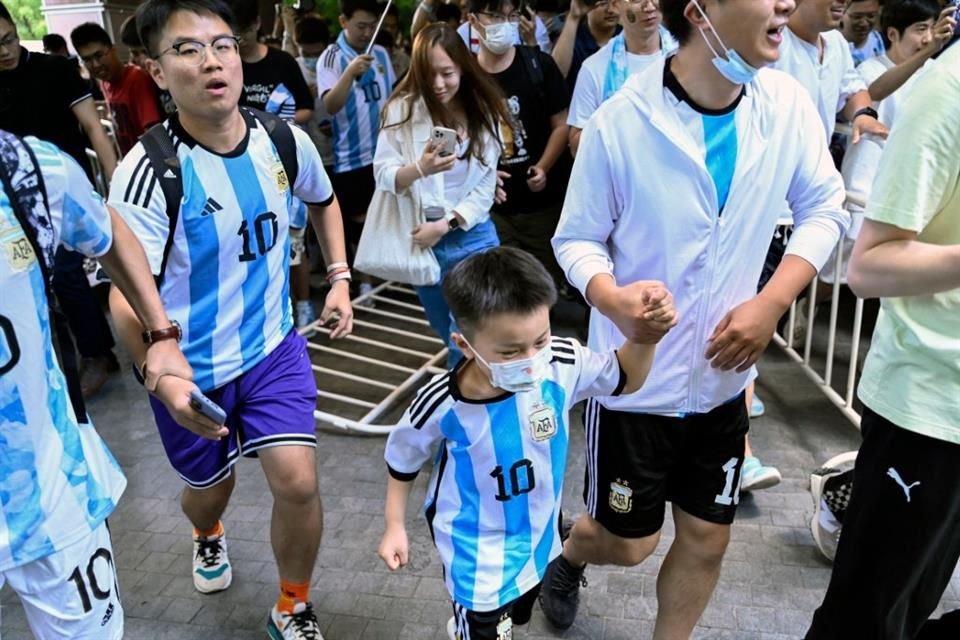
[635, 157]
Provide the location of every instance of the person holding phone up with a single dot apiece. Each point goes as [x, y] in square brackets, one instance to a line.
[450, 111]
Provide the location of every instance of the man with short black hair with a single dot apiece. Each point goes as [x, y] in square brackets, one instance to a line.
[679, 180]
[130, 93]
[581, 38]
[354, 79]
[55, 45]
[217, 237]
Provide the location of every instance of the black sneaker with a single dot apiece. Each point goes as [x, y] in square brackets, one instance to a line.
[560, 593]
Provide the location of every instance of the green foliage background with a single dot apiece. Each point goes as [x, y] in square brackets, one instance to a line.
[28, 18]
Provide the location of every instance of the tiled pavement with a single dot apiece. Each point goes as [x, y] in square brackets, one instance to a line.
[772, 580]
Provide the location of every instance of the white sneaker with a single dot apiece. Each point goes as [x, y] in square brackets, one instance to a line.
[211, 565]
[831, 487]
[300, 625]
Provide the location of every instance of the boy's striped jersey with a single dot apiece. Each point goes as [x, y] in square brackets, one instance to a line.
[226, 279]
[493, 503]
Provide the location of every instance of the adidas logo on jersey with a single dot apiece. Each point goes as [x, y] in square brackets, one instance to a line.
[211, 207]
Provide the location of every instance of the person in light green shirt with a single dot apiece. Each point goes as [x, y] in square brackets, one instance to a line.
[901, 533]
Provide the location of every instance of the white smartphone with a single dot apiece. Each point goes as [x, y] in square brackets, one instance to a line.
[445, 140]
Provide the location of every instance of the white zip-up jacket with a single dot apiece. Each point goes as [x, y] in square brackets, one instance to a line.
[642, 206]
[475, 198]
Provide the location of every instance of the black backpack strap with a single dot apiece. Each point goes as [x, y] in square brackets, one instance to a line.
[23, 200]
[166, 167]
[282, 137]
[530, 57]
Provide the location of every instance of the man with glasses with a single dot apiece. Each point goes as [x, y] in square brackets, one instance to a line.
[354, 86]
[859, 27]
[223, 260]
[130, 93]
[534, 163]
[643, 41]
[581, 39]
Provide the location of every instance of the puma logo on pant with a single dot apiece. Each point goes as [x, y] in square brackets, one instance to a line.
[903, 485]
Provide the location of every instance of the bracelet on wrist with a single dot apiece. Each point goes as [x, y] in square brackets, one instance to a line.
[419, 169]
[343, 275]
[337, 265]
[333, 276]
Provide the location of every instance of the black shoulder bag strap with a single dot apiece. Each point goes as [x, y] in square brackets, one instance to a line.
[282, 137]
[166, 167]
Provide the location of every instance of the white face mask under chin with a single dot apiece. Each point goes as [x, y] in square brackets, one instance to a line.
[517, 376]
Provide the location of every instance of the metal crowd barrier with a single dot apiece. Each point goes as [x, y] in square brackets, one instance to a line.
[802, 351]
[362, 378]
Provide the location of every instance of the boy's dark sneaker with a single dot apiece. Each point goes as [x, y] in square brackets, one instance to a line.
[560, 593]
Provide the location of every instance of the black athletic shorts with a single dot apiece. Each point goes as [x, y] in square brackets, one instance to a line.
[636, 462]
[354, 190]
[497, 624]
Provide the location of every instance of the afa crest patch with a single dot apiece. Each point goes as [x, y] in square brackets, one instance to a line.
[621, 496]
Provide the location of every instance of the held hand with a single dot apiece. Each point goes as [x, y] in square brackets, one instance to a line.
[337, 308]
[578, 9]
[165, 358]
[868, 124]
[432, 162]
[428, 234]
[500, 196]
[359, 65]
[743, 334]
[944, 29]
[174, 393]
[643, 311]
[536, 178]
[528, 28]
[394, 547]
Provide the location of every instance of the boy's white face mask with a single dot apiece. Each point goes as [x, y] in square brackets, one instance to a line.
[500, 37]
[517, 376]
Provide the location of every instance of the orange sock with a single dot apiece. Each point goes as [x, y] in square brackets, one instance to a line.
[291, 593]
[216, 531]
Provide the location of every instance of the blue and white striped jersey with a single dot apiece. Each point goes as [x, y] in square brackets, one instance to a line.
[356, 125]
[58, 481]
[227, 274]
[493, 503]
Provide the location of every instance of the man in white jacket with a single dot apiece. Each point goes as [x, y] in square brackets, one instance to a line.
[730, 144]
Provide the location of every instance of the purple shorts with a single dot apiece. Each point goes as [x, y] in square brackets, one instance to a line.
[270, 405]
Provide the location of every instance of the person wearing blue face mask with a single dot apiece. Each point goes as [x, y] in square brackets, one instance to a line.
[679, 180]
[500, 420]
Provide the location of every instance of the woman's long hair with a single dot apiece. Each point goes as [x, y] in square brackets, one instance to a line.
[479, 95]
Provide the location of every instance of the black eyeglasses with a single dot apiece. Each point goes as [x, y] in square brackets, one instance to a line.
[194, 53]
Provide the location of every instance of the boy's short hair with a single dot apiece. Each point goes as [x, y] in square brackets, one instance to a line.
[53, 42]
[500, 280]
[153, 16]
[89, 33]
[246, 12]
[128, 33]
[674, 20]
[900, 14]
[350, 7]
[311, 30]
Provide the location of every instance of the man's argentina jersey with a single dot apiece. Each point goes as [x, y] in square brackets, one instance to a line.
[493, 503]
[58, 481]
[356, 125]
[227, 275]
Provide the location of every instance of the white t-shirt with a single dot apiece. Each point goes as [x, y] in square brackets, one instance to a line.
[588, 93]
[831, 82]
[454, 179]
[493, 502]
[58, 481]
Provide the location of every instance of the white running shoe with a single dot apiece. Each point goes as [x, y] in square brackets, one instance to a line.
[300, 625]
[211, 565]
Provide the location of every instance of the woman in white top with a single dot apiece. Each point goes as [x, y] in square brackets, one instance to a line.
[444, 88]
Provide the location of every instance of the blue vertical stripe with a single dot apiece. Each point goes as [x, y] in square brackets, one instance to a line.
[720, 138]
[246, 186]
[349, 158]
[465, 529]
[556, 398]
[506, 432]
[203, 248]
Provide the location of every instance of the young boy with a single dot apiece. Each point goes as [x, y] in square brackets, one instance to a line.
[500, 417]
